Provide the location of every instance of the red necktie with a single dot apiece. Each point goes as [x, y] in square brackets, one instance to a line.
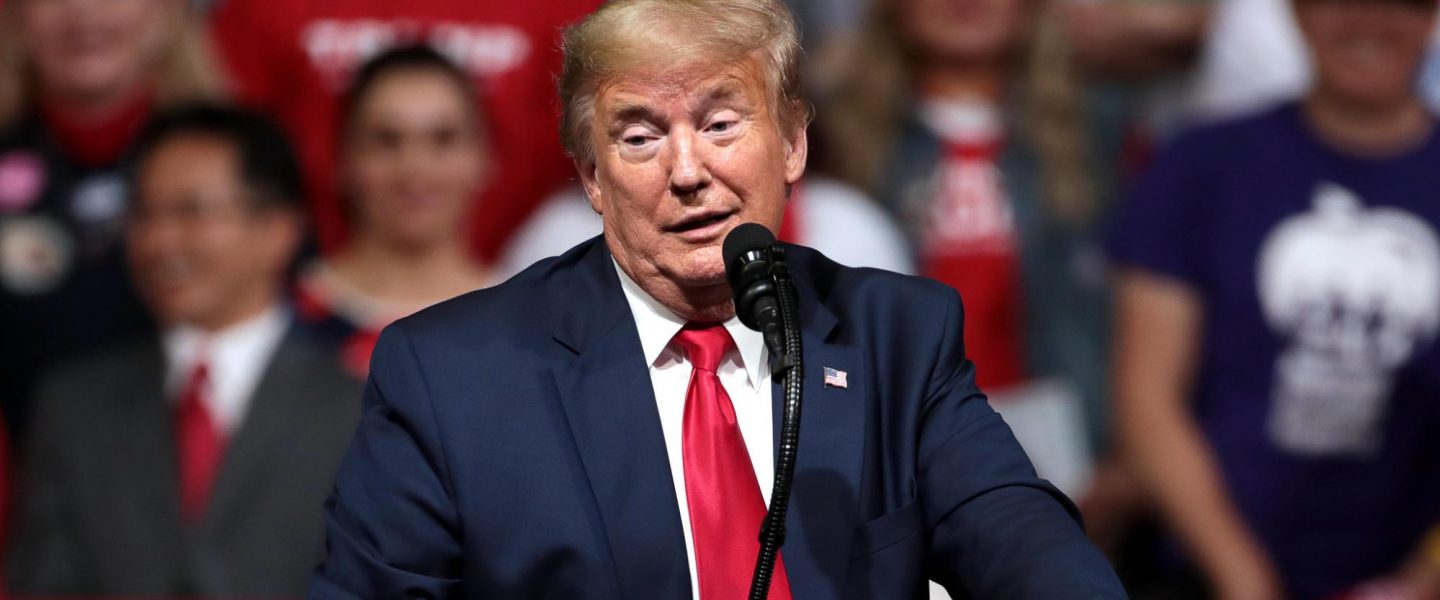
[199, 445]
[726, 507]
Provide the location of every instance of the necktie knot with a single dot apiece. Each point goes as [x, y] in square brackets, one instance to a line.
[704, 344]
[197, 383]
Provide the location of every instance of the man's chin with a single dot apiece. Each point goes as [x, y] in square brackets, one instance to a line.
[700, 279]
[703, 268]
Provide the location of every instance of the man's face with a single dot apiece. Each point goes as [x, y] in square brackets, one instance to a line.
[1367, 52]
[681, 158]
[200, 252]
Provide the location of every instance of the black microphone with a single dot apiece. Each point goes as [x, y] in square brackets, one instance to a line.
[765, 301]
[748, 267]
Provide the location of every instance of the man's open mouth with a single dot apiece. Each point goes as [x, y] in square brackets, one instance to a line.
[698, 222]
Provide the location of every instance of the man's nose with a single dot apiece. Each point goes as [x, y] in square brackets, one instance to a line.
[413, 158]
[153, 237]
[689, 168]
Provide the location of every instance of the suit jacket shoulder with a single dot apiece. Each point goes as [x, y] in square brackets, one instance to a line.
[91, 380]
[861, 295]
[522, 305]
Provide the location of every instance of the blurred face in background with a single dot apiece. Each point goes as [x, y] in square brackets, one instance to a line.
[201, 250]
[1367, 52]
[93, 50]
[963, 31]
[414, 159]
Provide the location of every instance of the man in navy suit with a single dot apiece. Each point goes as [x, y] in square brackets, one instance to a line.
[599, 425]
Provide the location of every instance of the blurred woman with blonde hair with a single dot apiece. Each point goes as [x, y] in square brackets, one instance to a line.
[968, 122]
[78, 78]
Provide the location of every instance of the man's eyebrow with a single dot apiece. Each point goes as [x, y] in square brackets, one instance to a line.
[726, 90]
[624, 111]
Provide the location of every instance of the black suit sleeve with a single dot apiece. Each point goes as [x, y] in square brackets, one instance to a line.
[996, 530]
[392, 529]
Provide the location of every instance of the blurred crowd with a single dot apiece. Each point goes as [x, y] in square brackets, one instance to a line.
[1196, 242]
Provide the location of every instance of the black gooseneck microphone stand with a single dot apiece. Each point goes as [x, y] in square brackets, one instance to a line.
[786, 361]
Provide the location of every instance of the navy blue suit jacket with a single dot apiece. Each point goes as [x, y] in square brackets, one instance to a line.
[510, 447]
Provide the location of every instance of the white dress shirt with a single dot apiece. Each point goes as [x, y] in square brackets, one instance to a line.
[236, 360]
[744, 372]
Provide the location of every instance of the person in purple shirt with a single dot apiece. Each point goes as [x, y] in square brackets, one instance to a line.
[1278, 307]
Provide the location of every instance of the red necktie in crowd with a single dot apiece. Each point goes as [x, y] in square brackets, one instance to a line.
[199, 445]
[726, 507]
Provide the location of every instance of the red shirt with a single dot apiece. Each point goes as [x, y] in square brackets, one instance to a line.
[294, 59]
[98, 143]
[970, 243]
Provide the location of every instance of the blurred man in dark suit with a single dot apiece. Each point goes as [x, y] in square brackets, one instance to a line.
[601, 425]
[193, 462]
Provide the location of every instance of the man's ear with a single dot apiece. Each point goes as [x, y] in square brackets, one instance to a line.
[283, 233]
[589, 179]
[797, 150]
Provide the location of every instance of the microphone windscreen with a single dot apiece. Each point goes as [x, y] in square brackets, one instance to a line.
[744, 238]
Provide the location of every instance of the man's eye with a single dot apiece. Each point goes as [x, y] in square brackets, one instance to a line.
[722, 126]
[634, 140]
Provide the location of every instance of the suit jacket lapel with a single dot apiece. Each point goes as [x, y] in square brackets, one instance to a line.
[609, 404]
[146, 457]
[256, 448]
[825, 493]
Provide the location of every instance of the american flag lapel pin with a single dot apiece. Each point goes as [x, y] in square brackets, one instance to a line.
[836, 378]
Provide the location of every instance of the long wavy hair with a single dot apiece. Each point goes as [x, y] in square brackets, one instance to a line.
[861, 122]
[185, 69]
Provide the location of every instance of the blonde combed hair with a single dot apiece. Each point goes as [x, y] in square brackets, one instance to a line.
[186, 69]
[630, 36]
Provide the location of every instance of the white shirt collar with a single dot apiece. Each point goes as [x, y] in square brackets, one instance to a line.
[238, 356]
[963, 121]
[658, 325]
